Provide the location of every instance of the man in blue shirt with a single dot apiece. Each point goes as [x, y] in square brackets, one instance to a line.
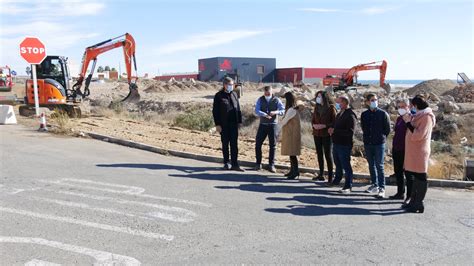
[375, 124]
[268, 107]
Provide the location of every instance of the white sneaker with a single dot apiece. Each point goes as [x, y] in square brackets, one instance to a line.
[345, 191]
[372, 189]
[381, 193]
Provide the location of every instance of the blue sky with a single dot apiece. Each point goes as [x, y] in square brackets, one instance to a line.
[419, 39]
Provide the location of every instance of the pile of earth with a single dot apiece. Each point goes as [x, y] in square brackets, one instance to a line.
[462, 93]
[435, 86]
[153, 86]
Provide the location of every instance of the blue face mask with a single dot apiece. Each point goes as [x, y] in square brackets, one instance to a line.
[319, 100]
[338, 106]
[413, 110]
[373, 105]
[229, 88]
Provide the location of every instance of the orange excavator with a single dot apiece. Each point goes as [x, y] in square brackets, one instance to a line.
[54, 90]
[350, 78]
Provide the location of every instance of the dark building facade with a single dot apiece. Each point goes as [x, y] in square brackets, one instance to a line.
[247, 68]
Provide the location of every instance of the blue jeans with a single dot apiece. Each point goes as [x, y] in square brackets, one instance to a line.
[342, 160]
[375, 157]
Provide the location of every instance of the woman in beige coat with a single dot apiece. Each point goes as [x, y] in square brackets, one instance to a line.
[417, 151]
[290, 129]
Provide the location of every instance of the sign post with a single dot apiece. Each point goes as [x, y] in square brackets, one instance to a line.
[34, 52]
[35, 89]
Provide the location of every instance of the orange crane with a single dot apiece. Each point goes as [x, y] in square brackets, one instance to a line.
[54, 90]
[350, 78]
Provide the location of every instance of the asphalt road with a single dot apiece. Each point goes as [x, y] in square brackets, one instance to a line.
[81, 201]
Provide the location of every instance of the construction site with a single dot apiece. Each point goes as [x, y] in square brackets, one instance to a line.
[174, 111]
[236, 132]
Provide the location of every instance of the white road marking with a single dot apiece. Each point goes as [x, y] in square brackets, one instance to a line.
[36, 262]
[125, 230]
[88, 207]
[188, 215]
[13, 191]
[101, 257]
[130, 191]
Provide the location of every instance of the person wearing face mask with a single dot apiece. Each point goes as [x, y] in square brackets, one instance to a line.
[227, 118]
[342, 135]
[267, 108]
[398, 150]
[417, 151]
[323, 118]
[375, 124]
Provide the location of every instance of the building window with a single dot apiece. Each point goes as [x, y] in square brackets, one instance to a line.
[260, 69]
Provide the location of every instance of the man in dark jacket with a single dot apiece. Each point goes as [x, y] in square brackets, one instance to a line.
[375, 125]
[227, 118]
[342, 138]
[267, 108]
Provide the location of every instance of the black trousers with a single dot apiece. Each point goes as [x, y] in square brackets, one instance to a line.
[263, 131]
[294, 165]
[324, 149]
[229, 136]
[398, 161]
[417, 185]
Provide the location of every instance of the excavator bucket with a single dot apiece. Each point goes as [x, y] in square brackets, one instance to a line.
[133, 95]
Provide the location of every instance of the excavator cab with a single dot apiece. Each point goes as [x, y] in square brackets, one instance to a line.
[55, 68]
[54, 89]
[53, 82]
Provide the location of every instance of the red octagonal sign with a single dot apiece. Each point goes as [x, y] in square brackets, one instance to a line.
[32, 50]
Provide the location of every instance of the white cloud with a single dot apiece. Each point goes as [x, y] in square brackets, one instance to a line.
[367, 11]
[48, 20]
[56, 36]
[205, 40]
[377, 10]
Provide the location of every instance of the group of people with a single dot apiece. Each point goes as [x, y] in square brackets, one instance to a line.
[333, 124]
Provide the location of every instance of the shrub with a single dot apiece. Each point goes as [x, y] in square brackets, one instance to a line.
[197, 120]
[61, 120]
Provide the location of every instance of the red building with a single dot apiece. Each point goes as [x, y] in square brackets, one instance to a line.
[306, 75]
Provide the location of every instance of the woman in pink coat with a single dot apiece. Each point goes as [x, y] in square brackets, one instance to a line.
[417, 151]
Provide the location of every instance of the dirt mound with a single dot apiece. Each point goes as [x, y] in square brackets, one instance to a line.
[155, 86]
[434, 86]
[462, 93]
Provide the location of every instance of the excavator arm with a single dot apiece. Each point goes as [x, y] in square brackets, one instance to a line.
[92, 52]
[382, 67]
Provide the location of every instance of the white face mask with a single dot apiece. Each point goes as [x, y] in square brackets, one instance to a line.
[374, 105]
[402, 111]
[230, 88]
[268, 98]
[319, 100]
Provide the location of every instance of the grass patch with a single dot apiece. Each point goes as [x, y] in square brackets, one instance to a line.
[62, 122]
[195, 120]
[444, 166]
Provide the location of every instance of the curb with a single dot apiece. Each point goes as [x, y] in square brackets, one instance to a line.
[206, 158]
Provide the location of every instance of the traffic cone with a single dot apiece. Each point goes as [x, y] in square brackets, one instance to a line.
[43, 127]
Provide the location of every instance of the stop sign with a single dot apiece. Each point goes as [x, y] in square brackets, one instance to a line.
[32, 50]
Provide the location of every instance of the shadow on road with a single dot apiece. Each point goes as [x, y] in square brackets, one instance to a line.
[310, 199]
[154, 166]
